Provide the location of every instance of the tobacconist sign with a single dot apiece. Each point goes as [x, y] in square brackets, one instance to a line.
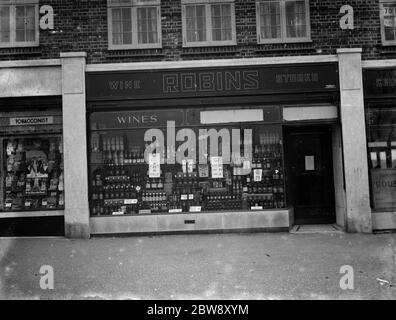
[384, 188]
[379, 82]
[31, 121]
[206, 82]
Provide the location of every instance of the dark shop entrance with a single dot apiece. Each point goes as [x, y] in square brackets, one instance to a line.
[310, 178]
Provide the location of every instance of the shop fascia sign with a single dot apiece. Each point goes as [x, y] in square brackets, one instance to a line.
[47, 19]
[30, 121]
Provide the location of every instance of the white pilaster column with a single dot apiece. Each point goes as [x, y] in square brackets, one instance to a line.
[354, 141]
[75, 145]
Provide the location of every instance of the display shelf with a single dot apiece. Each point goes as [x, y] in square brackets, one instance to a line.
[40, 166]
[184, 186]
[32, 178]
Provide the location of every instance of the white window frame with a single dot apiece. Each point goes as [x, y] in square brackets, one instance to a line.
[208, 16]
[382, 19]
[12, 4]
[134, 5]
[283, 38]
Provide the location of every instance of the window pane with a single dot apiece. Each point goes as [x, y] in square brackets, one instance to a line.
[30, 35]
[122, 26]
[221, 22]
[196, 23]
[270, 20]
[295, 19]
[30, 23]
[117, 26]
[25, 23]
[20, 24]
[116, 151]
[4, 24]
[147, 25]
[32, 178]
[382, 155]
[389, 12]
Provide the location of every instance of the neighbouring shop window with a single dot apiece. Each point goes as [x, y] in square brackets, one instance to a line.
[134, 24]
[280, 21]
[32, 173]
[382, 155]
[141, 165]
[19, 25]
[208, 23]
[388, 22]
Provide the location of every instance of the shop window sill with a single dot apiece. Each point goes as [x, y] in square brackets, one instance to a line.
[32, 214]
[388, 49]
[156, 214]
[5, 52]
[143, 53]
[199, 51]
[283, 47]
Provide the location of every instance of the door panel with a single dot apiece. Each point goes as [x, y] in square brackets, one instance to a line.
[310, 175]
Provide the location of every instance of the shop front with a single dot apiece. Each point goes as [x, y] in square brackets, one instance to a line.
[31, 173]
[212, 149]
[380, 106]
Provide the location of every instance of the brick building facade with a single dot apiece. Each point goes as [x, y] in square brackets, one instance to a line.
[333, 84]
[82, 26]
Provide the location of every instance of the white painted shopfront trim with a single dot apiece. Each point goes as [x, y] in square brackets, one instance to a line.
[30, 78]
[377, 64]
[30, 63]
[32, 214]
[210, 63]
[267, 220]
[384, 220]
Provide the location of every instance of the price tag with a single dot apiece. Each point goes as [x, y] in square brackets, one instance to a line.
[190, 197]
[203, 171]
[184, 197]
[130, 201]
[236, 159]
[195, 209]
[190, 165]
[154, 165]
[175, 210]
[44, 203]
[184, 165]
[258, 175]
[246, 164]
[27, 204]
[257, 208]
[217, 167]
[8, 205]
[118, 213]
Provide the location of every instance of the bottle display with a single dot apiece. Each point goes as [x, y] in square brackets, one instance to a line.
[33, 174]
[122, 182]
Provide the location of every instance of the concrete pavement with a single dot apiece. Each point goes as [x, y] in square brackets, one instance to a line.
[227, 266]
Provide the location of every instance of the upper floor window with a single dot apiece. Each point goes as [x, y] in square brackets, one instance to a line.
[281, 21]
[208, 23]
[134, 24]
[388, 22]
[19, 23]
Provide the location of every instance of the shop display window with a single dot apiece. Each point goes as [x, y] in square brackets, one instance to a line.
[381, 132]
[217, 168]
[32, 173]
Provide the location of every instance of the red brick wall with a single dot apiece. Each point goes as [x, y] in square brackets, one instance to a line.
[81, 25]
